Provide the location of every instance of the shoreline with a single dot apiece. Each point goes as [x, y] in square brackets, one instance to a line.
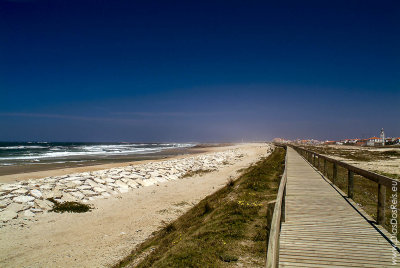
[26, 172]
[121, 220]
[30, 197]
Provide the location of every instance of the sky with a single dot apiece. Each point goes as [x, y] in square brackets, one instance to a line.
[205, 71]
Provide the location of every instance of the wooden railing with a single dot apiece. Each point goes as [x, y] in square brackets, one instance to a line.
[382, 181]
[277, 218]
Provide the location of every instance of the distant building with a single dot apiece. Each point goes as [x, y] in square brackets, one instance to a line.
[353, 141]
[280, 140]
[362, 142]
[382, 140]
[382, 137]
[392, 141]
[374, 141]
[349, 141]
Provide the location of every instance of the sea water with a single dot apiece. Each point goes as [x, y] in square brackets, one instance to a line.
[15, 153]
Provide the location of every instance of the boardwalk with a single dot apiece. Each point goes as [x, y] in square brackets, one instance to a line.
[322, 229]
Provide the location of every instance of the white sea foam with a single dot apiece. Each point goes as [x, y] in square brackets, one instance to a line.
[96, 150]
[23, 147]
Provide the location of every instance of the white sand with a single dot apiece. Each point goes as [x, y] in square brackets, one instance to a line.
[391, 166]
[104, 236]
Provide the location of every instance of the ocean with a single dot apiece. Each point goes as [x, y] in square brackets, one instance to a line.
[26, 153]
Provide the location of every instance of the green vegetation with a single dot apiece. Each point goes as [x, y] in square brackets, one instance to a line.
[69, 207]
[181, 204]
[197, 172]
[226, 228]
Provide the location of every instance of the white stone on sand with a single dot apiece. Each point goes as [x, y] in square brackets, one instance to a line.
[28, 213]
[36, 193]
[29, 197]
[23, 199]
[7, 215]
[44, 204]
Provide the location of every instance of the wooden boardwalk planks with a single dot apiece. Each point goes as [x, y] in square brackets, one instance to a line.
[321, 228]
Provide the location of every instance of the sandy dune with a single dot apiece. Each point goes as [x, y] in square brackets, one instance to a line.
[108, 233]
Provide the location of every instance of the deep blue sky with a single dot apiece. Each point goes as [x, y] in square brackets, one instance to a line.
[198, 70]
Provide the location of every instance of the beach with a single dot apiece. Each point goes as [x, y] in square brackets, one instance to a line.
[20, 173]
[20, 158]
[130, 201]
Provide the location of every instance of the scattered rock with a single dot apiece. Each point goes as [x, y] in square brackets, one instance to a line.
[20, 191]
[84, 187]
[36, 210]
[132, 184]
[98, 180]
[120, 184]
[105, 194]
[123, 190]
[161, 179]
[28, 213]
[148, 182]
[70, 185]
[4, 203]
[23, 199]
[7, 215]
[9, 187]
[99, 189]
[16, 207]
[51, 194]
[68, 197]
[36, 193]
[91, 183]
[44, 204]
[45, 187]
[88, 193]
[78, 195]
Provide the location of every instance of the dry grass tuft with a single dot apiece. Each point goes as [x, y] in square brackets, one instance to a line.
[197, 172]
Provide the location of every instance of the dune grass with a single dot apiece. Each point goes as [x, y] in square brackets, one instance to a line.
[226, 228]
[199, 172]
[69, 206]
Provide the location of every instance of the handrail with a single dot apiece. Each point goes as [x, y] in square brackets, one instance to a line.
[277, 218]
[381, 180]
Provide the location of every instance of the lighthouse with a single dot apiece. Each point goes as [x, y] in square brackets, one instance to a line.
[382, 137]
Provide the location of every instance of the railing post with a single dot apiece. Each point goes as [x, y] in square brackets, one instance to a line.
[325, 166]
[350, 184]
[318, 163]
[381, 204]
[334, 173]
[313, 161]
[283, 215]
